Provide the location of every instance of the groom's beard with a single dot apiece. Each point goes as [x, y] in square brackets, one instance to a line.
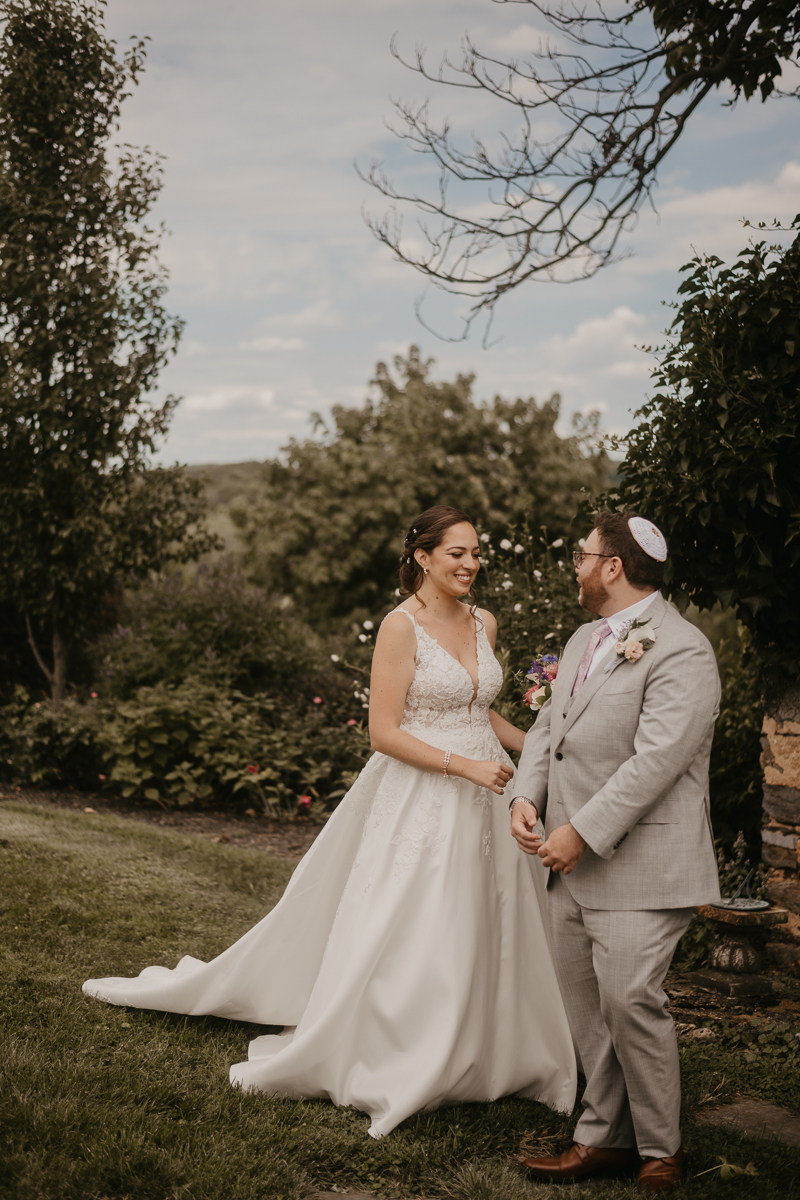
[592, 595]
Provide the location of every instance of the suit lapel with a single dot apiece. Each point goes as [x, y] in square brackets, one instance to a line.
[602, 672]
[592, 686]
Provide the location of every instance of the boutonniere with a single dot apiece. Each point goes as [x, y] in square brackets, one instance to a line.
[634, 639]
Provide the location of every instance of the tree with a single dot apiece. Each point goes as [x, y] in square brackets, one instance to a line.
[83, 332]
[617, 92]
[330, 529]
[714, 461]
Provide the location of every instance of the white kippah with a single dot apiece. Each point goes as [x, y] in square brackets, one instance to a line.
[649, 537]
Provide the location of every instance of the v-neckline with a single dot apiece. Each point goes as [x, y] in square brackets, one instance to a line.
[475, 684]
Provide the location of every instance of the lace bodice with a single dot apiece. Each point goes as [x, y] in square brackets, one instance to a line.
[440, 708]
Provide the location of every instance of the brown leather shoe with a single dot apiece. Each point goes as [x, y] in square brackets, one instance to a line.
[661, 1174]
[580, 1162]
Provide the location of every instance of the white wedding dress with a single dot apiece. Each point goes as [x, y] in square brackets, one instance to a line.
[409, 955]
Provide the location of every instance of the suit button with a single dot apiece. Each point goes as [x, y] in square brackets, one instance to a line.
[559, 755]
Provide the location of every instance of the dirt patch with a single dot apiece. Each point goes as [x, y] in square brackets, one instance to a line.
[285, 837]
[756, 1119]
[343, 1196]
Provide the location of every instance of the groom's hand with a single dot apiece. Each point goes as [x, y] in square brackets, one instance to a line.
[524, 819]
[563, 849]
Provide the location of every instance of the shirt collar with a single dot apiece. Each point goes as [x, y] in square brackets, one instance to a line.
[620, 619]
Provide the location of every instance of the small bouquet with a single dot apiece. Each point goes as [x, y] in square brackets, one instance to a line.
[634, 640]
[542, 672]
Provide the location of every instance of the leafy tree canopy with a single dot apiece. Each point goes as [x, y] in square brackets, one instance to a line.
[330, 530]
[714, 458]
[83, 330]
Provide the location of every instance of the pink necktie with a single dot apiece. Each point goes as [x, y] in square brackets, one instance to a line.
[600, 634]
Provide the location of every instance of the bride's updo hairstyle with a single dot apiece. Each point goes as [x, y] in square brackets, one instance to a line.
[426, 532]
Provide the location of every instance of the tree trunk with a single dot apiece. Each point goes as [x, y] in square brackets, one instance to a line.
[781, 821]
[57, 678]
[58, 688]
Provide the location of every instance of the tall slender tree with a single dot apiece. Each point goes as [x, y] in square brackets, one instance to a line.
[83, 331]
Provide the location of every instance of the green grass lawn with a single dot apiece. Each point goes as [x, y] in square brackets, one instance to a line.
[105, 1103]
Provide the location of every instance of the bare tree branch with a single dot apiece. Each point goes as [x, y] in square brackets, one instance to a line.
[621, 88]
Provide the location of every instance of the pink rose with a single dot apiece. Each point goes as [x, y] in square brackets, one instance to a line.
[304, 802]
[534, 698]
[620, 648]
[551, 673]
[634, 652]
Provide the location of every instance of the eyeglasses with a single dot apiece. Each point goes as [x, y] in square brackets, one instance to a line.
[579, 555]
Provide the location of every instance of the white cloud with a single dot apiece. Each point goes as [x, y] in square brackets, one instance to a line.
[227, 397]
[711, 221]
[526, 39]
[273, 343]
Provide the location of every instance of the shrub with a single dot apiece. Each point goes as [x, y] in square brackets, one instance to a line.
[186, 743]
[212, 625]
[40, 744]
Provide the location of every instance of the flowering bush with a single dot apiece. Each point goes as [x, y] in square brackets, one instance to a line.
[195, 743]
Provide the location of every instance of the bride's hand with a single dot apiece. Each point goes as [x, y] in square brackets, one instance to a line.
[491, 775]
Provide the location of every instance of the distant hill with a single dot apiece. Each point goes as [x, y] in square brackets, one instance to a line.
[226, 483]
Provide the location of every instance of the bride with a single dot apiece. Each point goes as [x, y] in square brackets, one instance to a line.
[408, 960]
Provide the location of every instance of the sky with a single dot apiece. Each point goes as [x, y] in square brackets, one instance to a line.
[263, 108]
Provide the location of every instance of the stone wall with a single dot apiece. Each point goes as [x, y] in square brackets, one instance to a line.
[780, 834]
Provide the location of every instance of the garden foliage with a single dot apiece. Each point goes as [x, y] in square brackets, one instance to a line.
[528, 584]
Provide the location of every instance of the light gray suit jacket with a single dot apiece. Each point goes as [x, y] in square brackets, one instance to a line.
[626, 762]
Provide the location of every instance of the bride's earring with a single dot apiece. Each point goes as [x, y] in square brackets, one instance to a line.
[424, 570]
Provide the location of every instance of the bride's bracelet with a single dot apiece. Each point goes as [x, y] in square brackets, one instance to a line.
[448, 754]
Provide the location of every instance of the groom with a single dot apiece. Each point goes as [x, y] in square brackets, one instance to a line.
[617, 765]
